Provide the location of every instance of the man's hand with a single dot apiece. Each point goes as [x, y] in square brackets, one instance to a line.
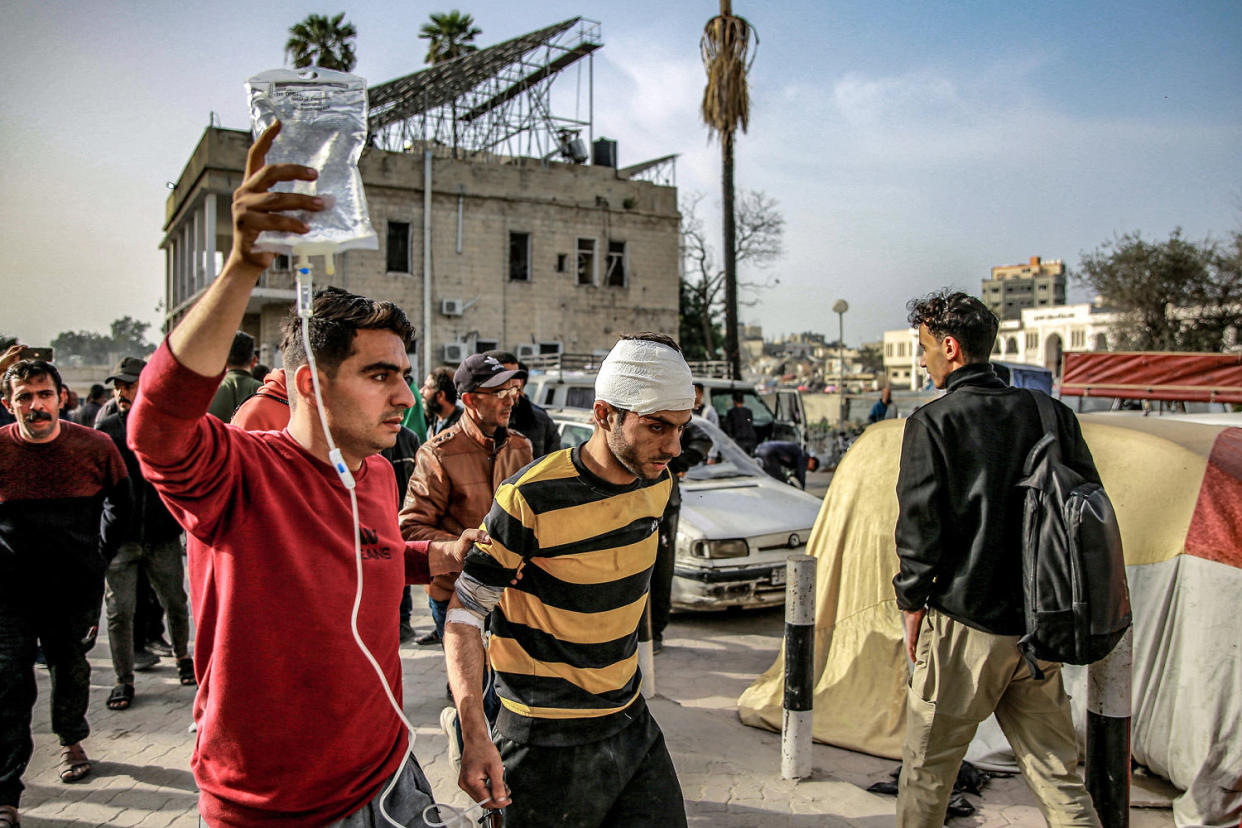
[482, 774]
[449, 555]
[913, 622]
[255, 209]
[11, 356]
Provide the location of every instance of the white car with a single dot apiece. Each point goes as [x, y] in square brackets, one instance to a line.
[737, 528]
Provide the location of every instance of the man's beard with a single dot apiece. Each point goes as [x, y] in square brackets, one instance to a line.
[627, 456]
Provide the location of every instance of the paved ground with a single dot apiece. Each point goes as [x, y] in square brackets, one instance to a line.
[730, 773]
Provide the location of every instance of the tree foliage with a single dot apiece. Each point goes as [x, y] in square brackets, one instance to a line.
[127, 337]
[871, 358]
[449, 35]
[759, 242]
[322, 41]
[1174, 295]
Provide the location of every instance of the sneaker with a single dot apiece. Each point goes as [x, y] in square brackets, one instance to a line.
[160, 647]
[145, 659]
[406, 633]
[448, 723]
[428, 638]
[657, 645]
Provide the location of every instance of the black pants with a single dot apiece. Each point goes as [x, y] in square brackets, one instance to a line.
[60, 630]
[625, 781]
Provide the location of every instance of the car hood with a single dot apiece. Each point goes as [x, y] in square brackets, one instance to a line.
[745, 508]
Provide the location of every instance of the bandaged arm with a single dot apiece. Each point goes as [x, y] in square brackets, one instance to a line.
[464, 655]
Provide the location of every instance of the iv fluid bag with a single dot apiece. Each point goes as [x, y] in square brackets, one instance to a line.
[323, 117]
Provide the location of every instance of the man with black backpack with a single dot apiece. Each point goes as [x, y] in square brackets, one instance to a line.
[960, 587]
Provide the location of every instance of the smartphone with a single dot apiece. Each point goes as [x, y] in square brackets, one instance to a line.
[44, 354]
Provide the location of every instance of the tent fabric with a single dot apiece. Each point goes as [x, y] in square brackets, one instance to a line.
[1145, 375]
[1175, 487]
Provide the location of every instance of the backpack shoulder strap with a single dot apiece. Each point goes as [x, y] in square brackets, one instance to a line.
[1048, 419]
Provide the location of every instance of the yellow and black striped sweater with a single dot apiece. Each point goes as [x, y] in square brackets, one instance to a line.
[565, 636]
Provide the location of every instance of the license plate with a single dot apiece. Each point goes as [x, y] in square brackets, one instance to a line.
[778, 576]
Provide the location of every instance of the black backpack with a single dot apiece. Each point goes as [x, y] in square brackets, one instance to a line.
[1075, 597]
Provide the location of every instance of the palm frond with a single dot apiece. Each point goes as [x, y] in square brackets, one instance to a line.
[727, 56]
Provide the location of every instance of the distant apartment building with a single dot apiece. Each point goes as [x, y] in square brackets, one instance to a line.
[1036, 284]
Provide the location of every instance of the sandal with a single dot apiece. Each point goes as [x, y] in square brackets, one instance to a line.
[121, 697]
[74, 766]
[185, 672]
[8, 817]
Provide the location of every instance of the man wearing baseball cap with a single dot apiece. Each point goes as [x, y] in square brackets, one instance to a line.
[457, 472]
[150, 542]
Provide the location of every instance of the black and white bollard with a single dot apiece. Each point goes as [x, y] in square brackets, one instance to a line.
[1108, 733]
[797, 723]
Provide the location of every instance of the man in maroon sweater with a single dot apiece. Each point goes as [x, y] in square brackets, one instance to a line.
[294, 722]
[63, 496]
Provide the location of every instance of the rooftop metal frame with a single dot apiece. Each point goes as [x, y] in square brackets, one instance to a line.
[495, 103]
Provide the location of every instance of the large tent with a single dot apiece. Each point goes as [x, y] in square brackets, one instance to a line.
[1177, 490]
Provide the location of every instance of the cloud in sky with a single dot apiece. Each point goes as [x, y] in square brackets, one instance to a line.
[907, 148]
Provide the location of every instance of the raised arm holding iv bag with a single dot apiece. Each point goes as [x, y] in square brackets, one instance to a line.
[323, 117]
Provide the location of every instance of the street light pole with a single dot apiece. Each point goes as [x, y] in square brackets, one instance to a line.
[839, 309]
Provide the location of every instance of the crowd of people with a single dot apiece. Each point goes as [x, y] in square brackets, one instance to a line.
[301, 505]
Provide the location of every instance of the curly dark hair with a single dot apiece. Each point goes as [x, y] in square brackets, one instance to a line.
[959, 315]
[443, 378]
[339, 315]
[26, 370]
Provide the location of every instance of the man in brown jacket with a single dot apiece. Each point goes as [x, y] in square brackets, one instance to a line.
[457, 472]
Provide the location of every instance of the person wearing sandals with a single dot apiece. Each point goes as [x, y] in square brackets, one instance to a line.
[150, 541]
[63, 495]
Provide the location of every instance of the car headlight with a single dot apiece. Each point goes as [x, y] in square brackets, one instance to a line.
[720, 549]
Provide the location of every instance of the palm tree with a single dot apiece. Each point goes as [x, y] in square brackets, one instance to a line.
[450, 36]
[727, 56]
[322, 41]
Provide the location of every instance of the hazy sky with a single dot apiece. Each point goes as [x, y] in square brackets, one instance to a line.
[910, 145]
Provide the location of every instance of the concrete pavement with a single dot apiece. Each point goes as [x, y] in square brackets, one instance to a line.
[730, 773]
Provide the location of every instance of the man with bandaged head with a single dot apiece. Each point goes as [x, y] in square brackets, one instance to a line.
[567, 570]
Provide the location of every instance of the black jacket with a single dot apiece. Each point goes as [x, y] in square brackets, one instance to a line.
[533, 423]
[149, 520]
[959, 523]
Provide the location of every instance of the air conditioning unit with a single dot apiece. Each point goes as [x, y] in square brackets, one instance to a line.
[454, 352]
[452, 307]
[526, 350]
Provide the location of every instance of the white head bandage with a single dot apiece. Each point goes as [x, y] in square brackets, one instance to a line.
[644, 377]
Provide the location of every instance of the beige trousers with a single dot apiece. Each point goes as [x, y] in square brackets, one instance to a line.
[961, 676]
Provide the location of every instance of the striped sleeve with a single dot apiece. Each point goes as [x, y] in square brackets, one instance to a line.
[511, 526]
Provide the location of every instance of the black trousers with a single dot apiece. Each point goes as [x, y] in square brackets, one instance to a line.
[60, 630]
[624, 781]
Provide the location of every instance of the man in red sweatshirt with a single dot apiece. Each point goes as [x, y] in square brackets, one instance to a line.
[295, 726]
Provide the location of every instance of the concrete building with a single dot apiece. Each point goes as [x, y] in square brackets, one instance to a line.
[901, 359]
[1041, 335]
[1036, 284]
[527, 255]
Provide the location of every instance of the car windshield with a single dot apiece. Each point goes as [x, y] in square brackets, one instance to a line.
[722, 401]
[726, 459]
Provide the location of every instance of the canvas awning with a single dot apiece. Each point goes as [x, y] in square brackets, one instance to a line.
[1192, 377]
